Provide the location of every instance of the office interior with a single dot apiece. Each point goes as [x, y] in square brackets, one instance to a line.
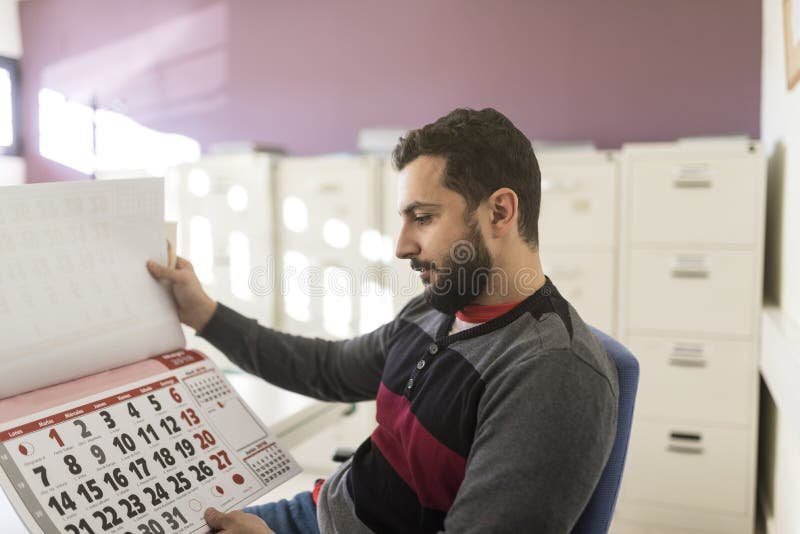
[668, 137]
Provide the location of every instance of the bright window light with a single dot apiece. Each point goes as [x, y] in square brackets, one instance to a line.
[201, 248]
[199, 182]
[237, 198]
[239, 250]
[90, 140]
[6, 110]
[66, 131]
[124, 144]
[336, 233]
[295, 214]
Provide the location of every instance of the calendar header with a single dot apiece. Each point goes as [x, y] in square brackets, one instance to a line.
[60, 417]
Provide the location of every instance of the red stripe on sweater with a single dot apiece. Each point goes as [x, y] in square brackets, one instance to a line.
[481, 313]
[432, 470]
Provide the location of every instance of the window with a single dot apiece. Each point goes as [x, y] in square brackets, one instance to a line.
[10, 127]
[97, 140]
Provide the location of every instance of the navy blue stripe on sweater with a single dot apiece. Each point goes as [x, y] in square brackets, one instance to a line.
[413, 464]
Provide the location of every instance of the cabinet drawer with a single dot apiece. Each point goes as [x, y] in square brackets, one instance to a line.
[691, 466]
[578, 205]
[693, 292]
[326, 205]
[586, 280]
[696, 379]
[695, 200]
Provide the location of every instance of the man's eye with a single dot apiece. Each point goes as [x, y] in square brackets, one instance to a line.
[423, 219]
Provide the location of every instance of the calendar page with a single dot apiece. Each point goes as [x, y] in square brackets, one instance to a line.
[165, 439]
[73, 280]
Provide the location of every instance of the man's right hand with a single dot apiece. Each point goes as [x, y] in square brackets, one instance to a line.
[195, 308]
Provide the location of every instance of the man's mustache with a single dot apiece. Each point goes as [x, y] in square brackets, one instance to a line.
[418, 265]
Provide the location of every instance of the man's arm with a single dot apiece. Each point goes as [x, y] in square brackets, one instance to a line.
[344, 371]
[545, 431]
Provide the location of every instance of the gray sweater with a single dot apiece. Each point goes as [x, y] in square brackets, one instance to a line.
[504, 427]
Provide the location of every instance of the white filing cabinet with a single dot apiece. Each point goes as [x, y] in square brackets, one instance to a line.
[224, 208]
[330, 246]
[691, 255]
[578, 230]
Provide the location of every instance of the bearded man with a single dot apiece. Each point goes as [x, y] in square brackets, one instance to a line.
[496, 406]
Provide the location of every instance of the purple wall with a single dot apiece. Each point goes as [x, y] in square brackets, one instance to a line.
[307, 75]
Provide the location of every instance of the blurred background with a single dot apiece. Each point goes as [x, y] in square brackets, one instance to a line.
[668, 135]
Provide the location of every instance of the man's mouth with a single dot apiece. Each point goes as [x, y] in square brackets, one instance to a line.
[423, 270]
[425, 276]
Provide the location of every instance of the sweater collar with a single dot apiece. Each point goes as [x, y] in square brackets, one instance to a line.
[480, 313]
[542, 297]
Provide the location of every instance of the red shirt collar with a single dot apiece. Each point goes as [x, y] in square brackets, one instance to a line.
[481, 313]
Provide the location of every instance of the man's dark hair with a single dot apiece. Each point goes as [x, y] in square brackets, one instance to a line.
[484, 152]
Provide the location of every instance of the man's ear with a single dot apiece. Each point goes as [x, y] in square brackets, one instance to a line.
[503, 204]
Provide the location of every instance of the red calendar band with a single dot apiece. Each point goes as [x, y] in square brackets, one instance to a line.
[173, 360]
[181, 358]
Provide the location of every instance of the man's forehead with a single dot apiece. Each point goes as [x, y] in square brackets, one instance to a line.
[420, 183]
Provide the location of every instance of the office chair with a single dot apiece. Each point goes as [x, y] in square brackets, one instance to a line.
[596, 517]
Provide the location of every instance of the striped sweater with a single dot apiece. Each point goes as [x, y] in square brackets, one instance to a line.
[503, 427]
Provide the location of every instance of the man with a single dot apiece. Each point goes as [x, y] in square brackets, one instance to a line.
[496, 406]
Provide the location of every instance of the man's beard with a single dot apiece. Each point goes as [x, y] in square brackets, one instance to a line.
[463, 275]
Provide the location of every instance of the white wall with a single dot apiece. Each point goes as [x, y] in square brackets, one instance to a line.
[10, 40]
[780, 132]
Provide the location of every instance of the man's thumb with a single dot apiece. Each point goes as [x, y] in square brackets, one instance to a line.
[160, 272]
[214, 518]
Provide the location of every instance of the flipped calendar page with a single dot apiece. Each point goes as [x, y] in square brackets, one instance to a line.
[151, 447]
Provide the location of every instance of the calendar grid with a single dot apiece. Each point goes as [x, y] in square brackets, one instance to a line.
[151, 455]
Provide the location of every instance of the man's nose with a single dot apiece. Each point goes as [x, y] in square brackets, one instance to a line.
[406, 247]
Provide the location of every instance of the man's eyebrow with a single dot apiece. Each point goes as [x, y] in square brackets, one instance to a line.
[418, 205]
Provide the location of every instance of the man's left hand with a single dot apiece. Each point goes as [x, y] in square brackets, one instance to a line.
[235, 522]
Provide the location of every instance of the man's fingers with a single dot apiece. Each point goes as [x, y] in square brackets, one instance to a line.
[160, 272]
[181, 263]
[216, 519]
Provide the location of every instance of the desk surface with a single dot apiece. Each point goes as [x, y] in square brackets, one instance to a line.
[288, 416]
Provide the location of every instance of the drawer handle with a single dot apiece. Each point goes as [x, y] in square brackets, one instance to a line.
[688, 443]
[329, 188]
[687, 355]
[682, 362]
[684, 449]
[688, 350]
[686, 436]
[690, 273]
[692, 183]
[693, 176]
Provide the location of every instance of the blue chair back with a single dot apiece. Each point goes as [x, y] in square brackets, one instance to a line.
[596, 517]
